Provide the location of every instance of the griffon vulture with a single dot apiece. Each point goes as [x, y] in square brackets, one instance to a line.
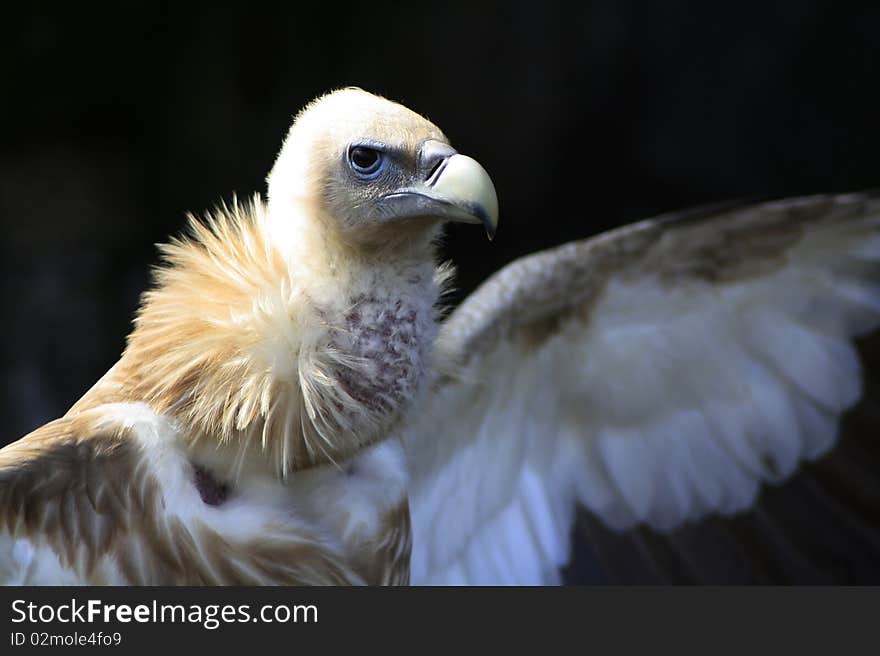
[291, 408]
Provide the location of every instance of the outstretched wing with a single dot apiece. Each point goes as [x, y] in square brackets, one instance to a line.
[656, 375]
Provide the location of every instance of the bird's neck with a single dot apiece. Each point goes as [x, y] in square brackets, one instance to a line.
[328, 263]
[279, 359]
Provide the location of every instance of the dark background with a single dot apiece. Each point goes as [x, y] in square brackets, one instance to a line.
[114, 123]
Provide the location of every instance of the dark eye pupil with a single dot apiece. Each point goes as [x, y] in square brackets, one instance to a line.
[364, 159]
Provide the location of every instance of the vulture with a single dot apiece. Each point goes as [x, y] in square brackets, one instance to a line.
[295, 406]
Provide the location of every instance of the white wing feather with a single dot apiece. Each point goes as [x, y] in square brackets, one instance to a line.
[656, 374]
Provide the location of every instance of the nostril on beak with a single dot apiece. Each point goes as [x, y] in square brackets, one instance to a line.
[433, 156]
[435, 171]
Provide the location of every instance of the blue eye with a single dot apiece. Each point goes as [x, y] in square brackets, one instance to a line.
[365, 161]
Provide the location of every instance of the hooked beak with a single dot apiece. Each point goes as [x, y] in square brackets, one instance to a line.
[454, 188]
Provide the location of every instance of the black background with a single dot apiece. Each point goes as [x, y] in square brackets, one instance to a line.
[114, 122]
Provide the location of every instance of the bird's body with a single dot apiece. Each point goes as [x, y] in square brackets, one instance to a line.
[201, 470]
[252, 407]
[290, 408]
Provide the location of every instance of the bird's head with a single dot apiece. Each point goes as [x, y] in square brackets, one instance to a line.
[374, 171]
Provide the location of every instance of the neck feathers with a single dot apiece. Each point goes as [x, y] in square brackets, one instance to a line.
[253, 351]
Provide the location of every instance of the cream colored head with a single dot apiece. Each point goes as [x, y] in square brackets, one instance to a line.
[367, 167]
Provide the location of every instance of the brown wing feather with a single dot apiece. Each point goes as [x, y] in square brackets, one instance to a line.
[533, 295]
[80, 486]
[68, 484]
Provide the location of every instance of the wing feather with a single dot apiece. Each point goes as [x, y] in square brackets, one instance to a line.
[657, 375]
[103, 496]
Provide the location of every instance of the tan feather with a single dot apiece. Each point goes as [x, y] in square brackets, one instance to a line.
[205, 344]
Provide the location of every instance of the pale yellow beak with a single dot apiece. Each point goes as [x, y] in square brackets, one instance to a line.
[452, 187]
[462, 181]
